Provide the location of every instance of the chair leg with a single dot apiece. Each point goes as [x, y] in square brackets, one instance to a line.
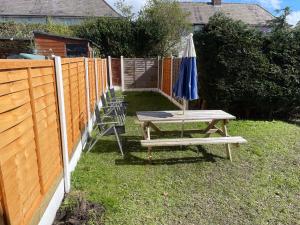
[91, 145]
[118, 140]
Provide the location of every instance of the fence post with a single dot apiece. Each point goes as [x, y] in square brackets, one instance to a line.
[171, 77]
[96, 80]
[87, 84]
[110, 72]
[158, 70]
[63, 123]
[122, 73]
[162, 74]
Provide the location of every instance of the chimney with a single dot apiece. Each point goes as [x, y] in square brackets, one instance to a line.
[216, 2]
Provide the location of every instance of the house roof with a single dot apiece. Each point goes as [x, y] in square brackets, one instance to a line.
[252, 14]
[67, 8]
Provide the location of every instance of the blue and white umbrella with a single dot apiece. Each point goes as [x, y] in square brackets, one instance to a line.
[186, 86]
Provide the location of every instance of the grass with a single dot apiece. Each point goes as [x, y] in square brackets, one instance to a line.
[261, 186]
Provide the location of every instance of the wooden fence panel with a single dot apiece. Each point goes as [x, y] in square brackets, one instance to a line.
[30, 140]
[116, 71]
[105, 78]
[29, 162]
[92, 84]
[166, 80]
[100, 71]
[140, 73]
[75, 99]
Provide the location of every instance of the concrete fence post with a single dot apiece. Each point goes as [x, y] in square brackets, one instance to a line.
[87, 85]
[110, 72]
[63, 122]
[122, 74]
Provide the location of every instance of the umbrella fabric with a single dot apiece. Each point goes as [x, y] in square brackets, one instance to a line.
[186, 86]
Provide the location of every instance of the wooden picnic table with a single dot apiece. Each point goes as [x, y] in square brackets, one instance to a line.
[149, 119]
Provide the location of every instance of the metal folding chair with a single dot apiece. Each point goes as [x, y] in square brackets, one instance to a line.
[106, 128]
[116, 98]
[113, 109]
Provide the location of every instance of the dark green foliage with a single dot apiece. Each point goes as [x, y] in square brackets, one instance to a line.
[24, 30]
[114, 36]
[247, 72]
[156, 30]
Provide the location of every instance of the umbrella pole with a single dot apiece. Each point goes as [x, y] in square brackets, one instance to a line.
[182, 128]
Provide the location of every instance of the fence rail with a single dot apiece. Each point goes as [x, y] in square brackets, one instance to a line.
[31, 158]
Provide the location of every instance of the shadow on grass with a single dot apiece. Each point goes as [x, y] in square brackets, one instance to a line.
[131, 144]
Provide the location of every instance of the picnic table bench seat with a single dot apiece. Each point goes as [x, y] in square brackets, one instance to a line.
[192, 141]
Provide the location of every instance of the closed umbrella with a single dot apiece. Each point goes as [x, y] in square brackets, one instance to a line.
[186, 86]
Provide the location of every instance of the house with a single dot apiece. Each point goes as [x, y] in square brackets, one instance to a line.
[59, 11]
[47, 44]
[251, 14]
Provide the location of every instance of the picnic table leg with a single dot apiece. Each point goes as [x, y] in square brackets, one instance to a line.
[227, 146]
[149, 148]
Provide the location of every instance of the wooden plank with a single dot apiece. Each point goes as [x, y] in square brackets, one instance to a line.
[7, 76]
[42, 71]
[13, 117]
[14, 100]
[13, 87]
[16, 146]
[192, 141]
[38, 81]
[24, 63]
[15, 132]
[43, 90]
[198, 115]
[33, 92]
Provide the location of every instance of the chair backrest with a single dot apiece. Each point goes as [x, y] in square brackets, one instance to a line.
[99, 120]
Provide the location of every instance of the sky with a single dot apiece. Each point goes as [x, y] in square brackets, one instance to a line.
[270, 5]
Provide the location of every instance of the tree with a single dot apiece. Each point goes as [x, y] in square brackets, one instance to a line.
[159, 27]
[125, 9]
[247, 72]
[115, 36]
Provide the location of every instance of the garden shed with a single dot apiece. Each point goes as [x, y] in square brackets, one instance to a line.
[46, 44]
[49, 44]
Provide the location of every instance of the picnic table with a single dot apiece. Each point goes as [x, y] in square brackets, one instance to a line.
[149, 120]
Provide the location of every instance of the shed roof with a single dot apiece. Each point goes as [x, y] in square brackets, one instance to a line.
[252, 14]
[71, 8]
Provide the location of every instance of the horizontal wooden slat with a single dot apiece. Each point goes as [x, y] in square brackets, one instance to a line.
[13, 75]
[12, 87]
[14, 100]
[192, 141]
[13, 133]
[24, 63]
[13, 117]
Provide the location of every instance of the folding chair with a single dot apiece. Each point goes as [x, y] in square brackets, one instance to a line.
[116, 98]
[114, 109]
[106, 129]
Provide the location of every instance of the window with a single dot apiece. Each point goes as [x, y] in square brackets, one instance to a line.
[76, 50]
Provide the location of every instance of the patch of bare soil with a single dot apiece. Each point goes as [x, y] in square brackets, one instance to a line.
[76, 210]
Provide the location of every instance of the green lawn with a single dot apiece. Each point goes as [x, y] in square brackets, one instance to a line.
[261, 186]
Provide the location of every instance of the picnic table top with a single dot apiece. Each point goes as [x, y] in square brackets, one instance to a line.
[195, 115]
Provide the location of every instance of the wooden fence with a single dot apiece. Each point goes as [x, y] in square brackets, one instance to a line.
[31, 158]
[153, 74]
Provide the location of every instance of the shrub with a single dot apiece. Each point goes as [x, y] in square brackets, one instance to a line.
[247, 72]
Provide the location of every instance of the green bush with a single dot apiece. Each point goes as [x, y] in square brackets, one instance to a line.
[247, 72]
[24, 30]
